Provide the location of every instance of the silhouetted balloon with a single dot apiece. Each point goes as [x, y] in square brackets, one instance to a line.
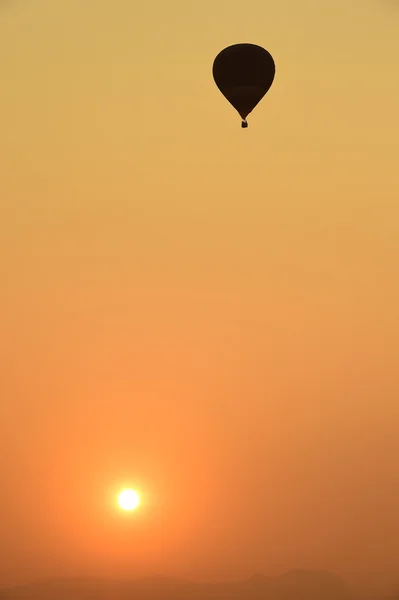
[244, 73]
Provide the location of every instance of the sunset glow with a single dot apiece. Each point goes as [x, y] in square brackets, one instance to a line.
[199, 322]
[128, 500]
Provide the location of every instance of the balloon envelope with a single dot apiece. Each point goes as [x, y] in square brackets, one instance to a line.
[244, 73]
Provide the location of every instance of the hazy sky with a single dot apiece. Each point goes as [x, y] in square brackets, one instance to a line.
[206, 313]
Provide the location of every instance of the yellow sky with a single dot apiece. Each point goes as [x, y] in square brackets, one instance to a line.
[209, 312]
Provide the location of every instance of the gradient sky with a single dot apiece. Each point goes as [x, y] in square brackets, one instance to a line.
[207, 313]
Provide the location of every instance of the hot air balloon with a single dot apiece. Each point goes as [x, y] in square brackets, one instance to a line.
[244, 73]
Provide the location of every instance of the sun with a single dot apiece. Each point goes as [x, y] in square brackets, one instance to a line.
[128, 500]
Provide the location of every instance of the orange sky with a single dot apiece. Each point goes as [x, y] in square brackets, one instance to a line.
[206, 313]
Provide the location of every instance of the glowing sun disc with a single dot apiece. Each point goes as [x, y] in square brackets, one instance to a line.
[128, 500]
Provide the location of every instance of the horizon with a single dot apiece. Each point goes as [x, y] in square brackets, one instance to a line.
[260, 577]
[295, 591]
